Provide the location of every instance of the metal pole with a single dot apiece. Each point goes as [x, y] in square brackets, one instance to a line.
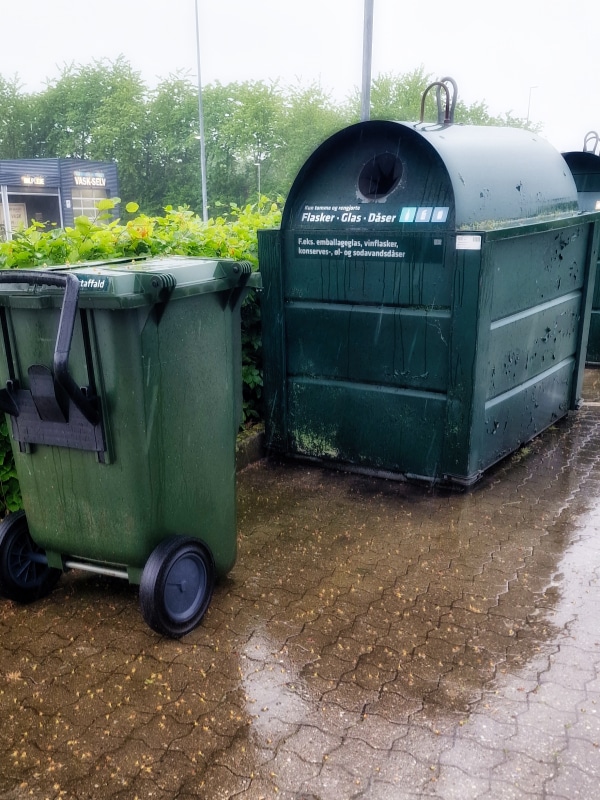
[365, 106]
[201, 124]
[531, 88]
[6, 213]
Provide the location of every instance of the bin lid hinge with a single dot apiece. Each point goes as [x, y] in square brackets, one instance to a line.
[243, 270]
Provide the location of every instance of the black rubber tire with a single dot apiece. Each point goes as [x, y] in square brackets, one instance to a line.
[177, 585]
[24, 574]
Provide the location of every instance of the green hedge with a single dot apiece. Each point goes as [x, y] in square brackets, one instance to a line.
[178, 232]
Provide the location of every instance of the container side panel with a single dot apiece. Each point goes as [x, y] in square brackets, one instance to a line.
[273, 338]
[466, 353]
[526, 345]
[416, 273]
[371, 426]
[593, 348]
[596, 295]
[512, 419]
[533, 269]
[387, 346]
[356, 327]
[537, 333]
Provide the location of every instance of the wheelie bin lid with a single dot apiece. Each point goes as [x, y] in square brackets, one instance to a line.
[129, 283]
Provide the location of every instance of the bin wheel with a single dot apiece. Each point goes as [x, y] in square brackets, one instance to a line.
[177, 585]
[24, 572]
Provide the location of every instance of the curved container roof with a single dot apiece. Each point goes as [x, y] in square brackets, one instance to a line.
[472, 177]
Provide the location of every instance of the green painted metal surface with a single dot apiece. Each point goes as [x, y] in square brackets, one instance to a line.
[426, 299]
[167, 372]
[585, 168]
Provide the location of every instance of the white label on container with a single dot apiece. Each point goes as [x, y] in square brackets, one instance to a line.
[468, 242]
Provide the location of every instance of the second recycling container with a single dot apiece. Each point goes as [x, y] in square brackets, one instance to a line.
[426, 301]
[585, 168]
[122, 384]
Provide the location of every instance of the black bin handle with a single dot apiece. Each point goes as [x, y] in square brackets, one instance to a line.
[64, 336]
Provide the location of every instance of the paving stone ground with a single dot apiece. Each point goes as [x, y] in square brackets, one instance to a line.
[374, 640]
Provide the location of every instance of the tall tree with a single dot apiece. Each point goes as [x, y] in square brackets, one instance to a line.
[243, 125]
[309, 117]
[17, 139]
[173, 147]
[396, 96]
[85, 101]
[226, 177]
[258, 134]
[120, 127]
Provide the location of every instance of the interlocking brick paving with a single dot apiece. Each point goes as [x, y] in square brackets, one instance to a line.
[375, 640]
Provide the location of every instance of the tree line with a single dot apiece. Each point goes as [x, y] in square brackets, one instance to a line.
[257, 134]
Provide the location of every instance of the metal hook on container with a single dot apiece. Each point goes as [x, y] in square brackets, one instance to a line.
[447, 80]
[440, 85]
[592, 136]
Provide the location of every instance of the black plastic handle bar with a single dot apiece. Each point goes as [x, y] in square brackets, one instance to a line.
[64, 336]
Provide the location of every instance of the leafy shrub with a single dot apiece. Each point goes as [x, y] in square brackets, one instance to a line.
[10, 494]
[178, 232]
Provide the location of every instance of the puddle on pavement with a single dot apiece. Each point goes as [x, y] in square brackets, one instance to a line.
[403, 600]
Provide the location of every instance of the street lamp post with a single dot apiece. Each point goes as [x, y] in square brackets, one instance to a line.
[365, 103]
[201, 125]
[257, 164]
[531, 88]
[7, 232]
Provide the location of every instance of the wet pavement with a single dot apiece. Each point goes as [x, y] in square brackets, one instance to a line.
[374, 640]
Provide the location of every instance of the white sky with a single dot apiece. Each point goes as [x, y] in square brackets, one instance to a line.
[516, 55]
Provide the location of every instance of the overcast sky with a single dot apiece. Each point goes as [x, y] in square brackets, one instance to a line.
[536, 56]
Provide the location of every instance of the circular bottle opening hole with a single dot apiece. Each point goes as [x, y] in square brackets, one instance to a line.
[379, 176]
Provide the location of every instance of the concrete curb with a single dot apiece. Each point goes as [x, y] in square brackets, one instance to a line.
[250, 446]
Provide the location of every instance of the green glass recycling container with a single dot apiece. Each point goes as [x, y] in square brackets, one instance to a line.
[585, 168]
[426, 301]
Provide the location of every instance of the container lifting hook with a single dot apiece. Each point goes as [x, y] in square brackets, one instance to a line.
[447, 80]
[592, 136]
[445, 117]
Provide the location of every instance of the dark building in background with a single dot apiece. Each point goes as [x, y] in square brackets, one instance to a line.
[52, 190]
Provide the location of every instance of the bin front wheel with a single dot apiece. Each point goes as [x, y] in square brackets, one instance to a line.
[177, 585]
[24, 572]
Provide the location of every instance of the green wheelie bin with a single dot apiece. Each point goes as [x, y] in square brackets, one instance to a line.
[122, 387]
